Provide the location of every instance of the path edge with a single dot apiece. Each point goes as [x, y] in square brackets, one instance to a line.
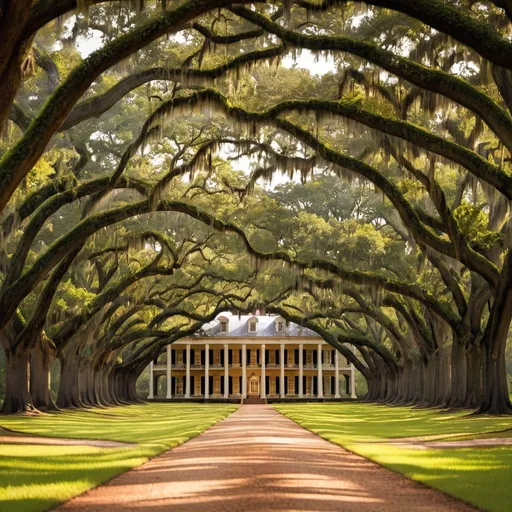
[108, 480]
[423, 484]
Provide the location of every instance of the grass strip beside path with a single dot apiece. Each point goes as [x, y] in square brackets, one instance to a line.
[37, 477]
[480, 476]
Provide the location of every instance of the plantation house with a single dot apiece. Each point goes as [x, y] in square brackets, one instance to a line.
[252, 356]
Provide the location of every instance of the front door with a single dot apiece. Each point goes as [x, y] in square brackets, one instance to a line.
[254, 385]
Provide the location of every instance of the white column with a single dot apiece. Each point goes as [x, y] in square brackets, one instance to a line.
[336, 374]
[226, 371]
[244, 371]
[187, 374]
[352, 381]
[319, 368]
[263, 393]
[169, 381]
[301, 370]
[281, 363]
[207, 372]
[151, 395]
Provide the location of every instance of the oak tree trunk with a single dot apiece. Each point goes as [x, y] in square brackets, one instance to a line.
[495, 397]
[474, 377]
[69, 392]
[13, 16]
[442, 378]
[457, 398]
[42, 358]
[17, 394]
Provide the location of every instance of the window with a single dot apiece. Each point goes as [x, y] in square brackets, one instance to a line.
[280, 324]
[252, 324]
[223, 324]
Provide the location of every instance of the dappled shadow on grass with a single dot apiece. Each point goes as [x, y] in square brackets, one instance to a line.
[258, 460]
[136, 423]
[37, 477]
[34, 478]
[479, 475]
[372, 422]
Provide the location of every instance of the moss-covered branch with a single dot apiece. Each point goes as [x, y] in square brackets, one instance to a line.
[212, 98]
[32, 202]
[35, 325]
[48, 208]
[354, 276]
[434, 80]
[416, 135]
[462, 251]
[72, 325]
[98, 105]
[470, 258]
[447, 18]
[450, 281]
[16, 164]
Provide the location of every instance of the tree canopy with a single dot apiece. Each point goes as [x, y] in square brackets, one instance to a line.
[346, 165]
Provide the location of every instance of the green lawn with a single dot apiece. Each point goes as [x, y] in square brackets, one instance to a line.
[480, 476]
[35, 477]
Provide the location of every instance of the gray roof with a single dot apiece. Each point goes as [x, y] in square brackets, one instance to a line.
[238, 326]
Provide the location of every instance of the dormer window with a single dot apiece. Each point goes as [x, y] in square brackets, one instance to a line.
[224, 324]
[253, 325]
[280, 325]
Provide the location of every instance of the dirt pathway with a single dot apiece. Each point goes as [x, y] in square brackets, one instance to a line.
[258, 460]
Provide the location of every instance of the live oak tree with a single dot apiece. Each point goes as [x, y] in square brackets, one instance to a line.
[396, 242]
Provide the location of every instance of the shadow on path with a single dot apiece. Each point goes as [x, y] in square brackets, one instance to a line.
[255, 460]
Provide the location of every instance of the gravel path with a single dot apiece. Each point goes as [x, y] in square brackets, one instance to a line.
[258, 460]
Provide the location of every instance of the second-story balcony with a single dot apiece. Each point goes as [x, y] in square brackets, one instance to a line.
[269, 366]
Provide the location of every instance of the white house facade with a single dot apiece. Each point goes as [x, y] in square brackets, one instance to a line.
[251, 357]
